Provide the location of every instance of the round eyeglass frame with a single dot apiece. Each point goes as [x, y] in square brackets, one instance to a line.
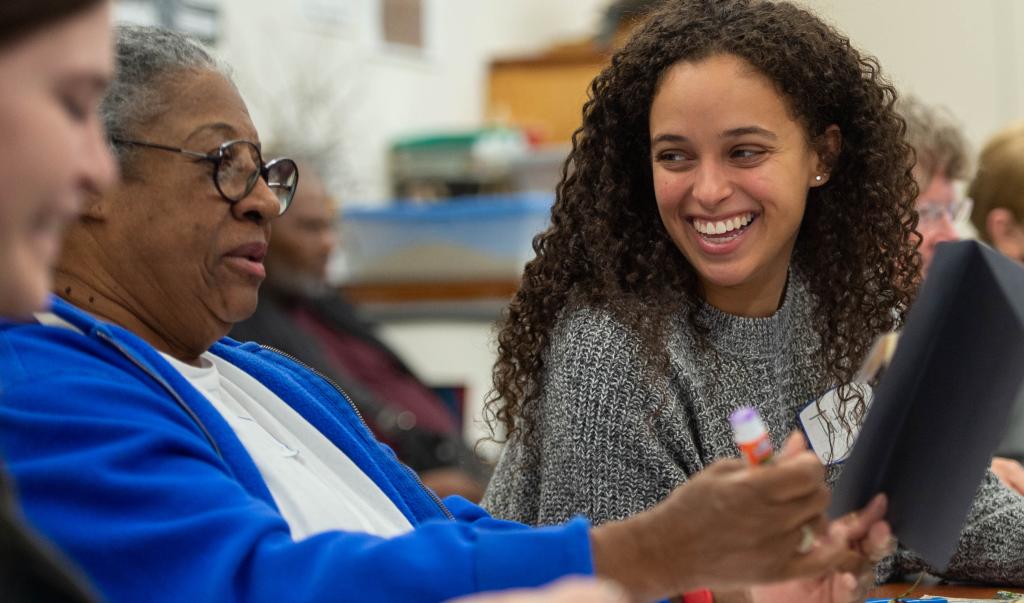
[218, 157]
[957, 212]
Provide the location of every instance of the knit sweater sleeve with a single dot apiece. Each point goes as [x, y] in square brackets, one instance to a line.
[595, 450]
[991, 547]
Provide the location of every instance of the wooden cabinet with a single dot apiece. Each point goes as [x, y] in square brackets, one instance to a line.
[544, 93]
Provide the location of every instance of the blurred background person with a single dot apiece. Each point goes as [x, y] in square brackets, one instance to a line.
[55, 60]
[942, 167]
[998, 192]
[940, 171]
[300, 314]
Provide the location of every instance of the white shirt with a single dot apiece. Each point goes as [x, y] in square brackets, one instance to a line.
[315, 485]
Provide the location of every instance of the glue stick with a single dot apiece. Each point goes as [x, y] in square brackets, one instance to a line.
[750, 435]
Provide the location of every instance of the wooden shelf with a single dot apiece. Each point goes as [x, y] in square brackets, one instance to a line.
[544, 92]
[414, 292]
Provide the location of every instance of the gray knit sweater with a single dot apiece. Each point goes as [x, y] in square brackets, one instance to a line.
[609, 444]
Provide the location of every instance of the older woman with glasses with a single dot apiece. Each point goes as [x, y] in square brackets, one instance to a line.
[174, 464]
[942, 162]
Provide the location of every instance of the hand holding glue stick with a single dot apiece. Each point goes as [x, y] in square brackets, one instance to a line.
[731, 526]
[752, 439]
[864, 532]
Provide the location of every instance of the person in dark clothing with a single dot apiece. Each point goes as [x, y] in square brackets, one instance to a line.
[300, 315]
[55, 59]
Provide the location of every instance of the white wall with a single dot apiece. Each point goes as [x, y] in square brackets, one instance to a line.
[381, 93]
[965, 54]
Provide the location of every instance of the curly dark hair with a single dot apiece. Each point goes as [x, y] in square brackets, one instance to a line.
[607, 247]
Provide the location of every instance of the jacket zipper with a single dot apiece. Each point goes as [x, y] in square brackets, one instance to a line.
[344, 394]
[181, 402]
[209, 438]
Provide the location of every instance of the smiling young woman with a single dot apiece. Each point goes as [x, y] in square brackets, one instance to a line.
[731, 172]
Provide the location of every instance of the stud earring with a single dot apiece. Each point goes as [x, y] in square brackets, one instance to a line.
[817, 178]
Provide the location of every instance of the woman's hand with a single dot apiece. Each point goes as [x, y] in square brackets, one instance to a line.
[1010, 472]
[835, 588]
[864, 532]
[732, 525]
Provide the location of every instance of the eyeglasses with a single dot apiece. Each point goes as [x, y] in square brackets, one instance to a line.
[238, 166]
[929, 214]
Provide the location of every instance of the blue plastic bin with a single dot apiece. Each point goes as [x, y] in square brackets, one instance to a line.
[477, 238]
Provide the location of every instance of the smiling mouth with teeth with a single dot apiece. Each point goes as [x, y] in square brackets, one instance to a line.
[723, 230]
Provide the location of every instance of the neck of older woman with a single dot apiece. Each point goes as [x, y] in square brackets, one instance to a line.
[112, 304]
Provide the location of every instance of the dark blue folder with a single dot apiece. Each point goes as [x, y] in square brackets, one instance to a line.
[943, 403]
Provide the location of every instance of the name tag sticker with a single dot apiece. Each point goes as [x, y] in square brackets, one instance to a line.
[829, 437]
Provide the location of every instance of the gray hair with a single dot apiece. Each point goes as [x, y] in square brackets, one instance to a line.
[936, 138]
[145, 58]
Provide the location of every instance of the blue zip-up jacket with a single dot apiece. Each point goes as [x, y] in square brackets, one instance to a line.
[137, 477]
